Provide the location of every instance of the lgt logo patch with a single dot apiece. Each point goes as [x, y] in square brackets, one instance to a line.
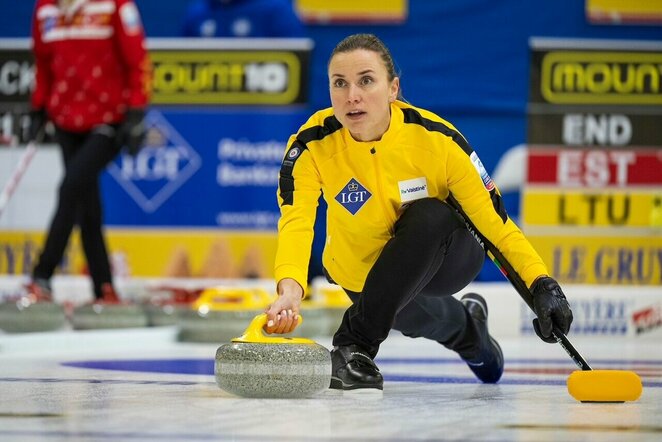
[353, 196]
[161, 167]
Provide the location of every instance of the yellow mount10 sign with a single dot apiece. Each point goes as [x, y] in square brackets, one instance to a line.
[587, 75]
[192, 71]
[230, 71]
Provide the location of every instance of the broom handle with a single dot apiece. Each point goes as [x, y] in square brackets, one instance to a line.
[17, 174]
[498, 259]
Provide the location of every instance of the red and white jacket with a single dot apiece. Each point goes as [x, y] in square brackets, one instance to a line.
[91, 61]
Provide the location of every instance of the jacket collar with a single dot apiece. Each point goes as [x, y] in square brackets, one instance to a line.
[396, 123]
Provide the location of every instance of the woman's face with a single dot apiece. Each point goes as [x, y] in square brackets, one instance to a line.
[361, 93]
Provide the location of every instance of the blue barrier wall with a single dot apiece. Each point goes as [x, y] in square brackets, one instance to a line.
[464, 59]
[467, 60]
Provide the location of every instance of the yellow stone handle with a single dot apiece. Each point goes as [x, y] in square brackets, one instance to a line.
[255, 334]
[232, 299]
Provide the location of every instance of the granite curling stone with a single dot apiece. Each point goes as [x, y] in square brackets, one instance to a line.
[108, 316]
[317, 322]
[333, 301]
[336, 303]
[23, 316]
[167, 304]
[221, 313]
[259, 366]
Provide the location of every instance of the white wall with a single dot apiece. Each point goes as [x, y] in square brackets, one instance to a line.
[32, 204]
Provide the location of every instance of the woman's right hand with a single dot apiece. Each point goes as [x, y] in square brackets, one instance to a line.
[283, 314]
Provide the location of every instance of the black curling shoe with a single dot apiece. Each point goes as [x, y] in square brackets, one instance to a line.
[488, 365]
[354, 369]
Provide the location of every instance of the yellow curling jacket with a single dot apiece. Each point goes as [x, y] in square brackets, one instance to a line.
[366, 184]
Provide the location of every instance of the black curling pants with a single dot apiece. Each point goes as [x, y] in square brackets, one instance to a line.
[431, 256]
[85, 156]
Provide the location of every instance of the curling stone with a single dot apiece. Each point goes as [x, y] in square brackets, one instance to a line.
[333, 301]
[221, 313]
[22, 315]
[100, 315]
[317, 322]
[167, 304]
[259, 366]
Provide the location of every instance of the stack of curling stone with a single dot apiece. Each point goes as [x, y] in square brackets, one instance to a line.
[22, 314]
[102, 315]
[166, 304]
[221, 313]
[258, 366]
[317, 321]
[333, 302]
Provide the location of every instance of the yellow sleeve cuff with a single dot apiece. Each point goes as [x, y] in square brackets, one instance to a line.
[291, 271]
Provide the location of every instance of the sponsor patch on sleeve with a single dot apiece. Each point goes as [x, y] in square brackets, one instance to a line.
[293, 153]
[487, 181]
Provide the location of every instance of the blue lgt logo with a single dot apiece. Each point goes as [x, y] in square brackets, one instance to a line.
[353, 196]
[165, 163]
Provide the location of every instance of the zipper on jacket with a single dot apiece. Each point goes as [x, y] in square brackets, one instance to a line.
[382, 196]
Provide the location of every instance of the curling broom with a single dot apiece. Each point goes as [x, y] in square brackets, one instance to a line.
[17, 174]
[586, 384]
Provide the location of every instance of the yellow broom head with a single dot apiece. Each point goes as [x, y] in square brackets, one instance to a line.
[604, 385]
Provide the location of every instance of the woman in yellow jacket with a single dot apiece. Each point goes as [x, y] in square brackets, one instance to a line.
[393, 243]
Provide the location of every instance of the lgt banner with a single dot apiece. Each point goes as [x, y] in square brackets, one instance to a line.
[202, 169]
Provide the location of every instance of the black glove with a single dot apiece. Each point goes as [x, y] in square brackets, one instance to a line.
[38, 120]
[551, 307]
[132, 131]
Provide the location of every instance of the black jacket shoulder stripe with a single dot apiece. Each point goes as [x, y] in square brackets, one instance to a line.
[413, 117]
[316, 133]
[285, 178]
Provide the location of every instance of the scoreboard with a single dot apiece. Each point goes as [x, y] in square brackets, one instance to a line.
[592, 202]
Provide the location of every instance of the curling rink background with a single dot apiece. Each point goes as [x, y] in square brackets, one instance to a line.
[141, 384]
